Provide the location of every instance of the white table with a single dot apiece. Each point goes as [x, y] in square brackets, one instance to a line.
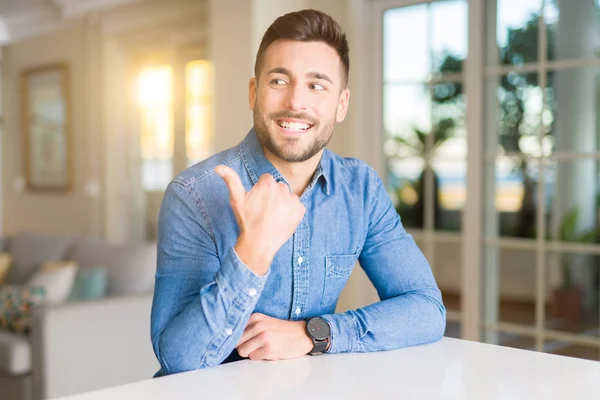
[449, 369]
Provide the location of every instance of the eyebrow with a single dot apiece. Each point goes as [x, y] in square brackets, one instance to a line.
[284, 71]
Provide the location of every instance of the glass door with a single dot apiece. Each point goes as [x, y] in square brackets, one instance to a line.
[424, 48]
[542, 176]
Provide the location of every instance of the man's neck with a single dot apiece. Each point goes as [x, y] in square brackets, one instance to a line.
[297, 175]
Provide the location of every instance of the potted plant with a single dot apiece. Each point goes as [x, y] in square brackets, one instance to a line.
[567, 299]
[414, 214]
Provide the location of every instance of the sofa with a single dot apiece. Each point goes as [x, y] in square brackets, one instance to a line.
[82, 345]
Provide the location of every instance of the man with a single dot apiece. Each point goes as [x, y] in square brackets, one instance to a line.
[257, 242]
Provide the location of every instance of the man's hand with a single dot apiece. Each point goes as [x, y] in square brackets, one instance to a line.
[267, 338]
[267, 216]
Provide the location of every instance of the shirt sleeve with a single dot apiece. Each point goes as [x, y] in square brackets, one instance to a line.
[202, 300]
[411, 311]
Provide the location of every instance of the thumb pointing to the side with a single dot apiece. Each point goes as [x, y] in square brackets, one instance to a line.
[237, 192]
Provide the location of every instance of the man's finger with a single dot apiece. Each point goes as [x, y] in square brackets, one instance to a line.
[259, 354]
[233, 182]
[246, 348]
[251, 331]
[255, 317]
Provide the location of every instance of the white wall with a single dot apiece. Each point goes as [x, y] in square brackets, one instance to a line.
[230, 50]
[45, 212]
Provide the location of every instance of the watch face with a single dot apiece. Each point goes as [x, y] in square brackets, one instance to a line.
[318, 328]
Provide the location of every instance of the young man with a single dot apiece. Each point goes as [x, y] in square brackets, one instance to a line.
[257, 242]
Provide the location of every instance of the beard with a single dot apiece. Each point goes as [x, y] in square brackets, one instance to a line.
[289, 151]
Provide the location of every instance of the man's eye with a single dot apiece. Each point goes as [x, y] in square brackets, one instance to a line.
[277, 81]
[316, 86]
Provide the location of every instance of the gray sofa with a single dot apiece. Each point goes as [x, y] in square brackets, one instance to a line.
[87, 345]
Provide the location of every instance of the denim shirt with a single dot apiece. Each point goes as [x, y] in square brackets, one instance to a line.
[204, 294]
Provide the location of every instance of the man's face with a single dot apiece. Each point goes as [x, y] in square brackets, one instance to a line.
[297, 98]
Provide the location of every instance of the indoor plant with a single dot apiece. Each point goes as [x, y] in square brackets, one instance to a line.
[567, 299]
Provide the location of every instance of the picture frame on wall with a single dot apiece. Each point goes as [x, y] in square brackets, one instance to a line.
[45, 127]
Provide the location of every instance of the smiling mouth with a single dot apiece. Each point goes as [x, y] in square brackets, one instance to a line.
[294, 126]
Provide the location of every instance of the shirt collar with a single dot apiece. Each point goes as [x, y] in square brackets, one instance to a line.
[257, 164]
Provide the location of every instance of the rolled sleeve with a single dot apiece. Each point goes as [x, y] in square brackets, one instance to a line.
[345, 336]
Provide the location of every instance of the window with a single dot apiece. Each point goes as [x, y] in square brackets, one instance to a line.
[176, 131]
[198, 135]
[156, 126]
[538, 234]
[424, 111]
[158, 137]
[424, 48]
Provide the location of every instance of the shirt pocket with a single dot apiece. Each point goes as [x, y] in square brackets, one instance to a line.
[337, 271]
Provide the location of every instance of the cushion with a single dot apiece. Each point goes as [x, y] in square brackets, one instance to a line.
[17, 303]
[90, 283]
[5, 261]
[4, 241]
[56, 278]
[30, 250]
[130, 268]
[15, 354]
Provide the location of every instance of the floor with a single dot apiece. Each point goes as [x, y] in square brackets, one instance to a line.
[524, 313]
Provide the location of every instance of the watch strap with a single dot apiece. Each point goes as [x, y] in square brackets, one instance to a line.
[319, 347]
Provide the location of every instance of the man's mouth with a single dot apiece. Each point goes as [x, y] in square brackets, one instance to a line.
[294, 126]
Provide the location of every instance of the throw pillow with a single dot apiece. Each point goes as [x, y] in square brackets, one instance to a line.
[131, 269]
[90, 283]
[57, 278]
[17, 303]
[5, 261]
[29, 250]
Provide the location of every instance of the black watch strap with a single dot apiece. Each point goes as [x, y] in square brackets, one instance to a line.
[319, 347]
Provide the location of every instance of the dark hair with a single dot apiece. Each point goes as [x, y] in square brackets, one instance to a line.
[306, 26]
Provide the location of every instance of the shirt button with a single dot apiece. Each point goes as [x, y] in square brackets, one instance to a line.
[298, 311]
[228, 331]
[300, 259]
[252, 292]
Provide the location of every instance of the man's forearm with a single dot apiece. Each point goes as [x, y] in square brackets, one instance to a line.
[207, 329]
[408, 319]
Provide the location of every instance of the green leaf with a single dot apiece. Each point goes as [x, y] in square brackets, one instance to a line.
[568, 225]
[588, 237]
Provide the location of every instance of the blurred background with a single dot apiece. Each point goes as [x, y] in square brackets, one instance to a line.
[480, 116]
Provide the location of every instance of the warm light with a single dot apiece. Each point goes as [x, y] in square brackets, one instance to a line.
[409, 195]
[509, 196]
[156, 112]
[198, 78]
[198, 110]
[155, 86]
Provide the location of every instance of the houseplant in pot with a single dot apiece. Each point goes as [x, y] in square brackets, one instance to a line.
[567, 299]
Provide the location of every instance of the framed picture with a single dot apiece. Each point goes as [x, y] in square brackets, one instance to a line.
[45, 118]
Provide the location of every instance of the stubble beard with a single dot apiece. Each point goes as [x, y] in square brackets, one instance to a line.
[287, 152]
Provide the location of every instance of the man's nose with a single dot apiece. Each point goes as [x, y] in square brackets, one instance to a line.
[296, 98]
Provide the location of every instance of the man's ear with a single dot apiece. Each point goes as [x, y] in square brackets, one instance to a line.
[252, 93]
[342, 108]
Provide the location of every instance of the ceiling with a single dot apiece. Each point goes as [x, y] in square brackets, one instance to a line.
[10, 7]
[20, 19]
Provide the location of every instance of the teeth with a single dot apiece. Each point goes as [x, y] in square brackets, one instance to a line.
[294, 126]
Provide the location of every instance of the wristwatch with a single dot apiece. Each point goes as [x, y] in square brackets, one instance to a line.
[320, 333]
